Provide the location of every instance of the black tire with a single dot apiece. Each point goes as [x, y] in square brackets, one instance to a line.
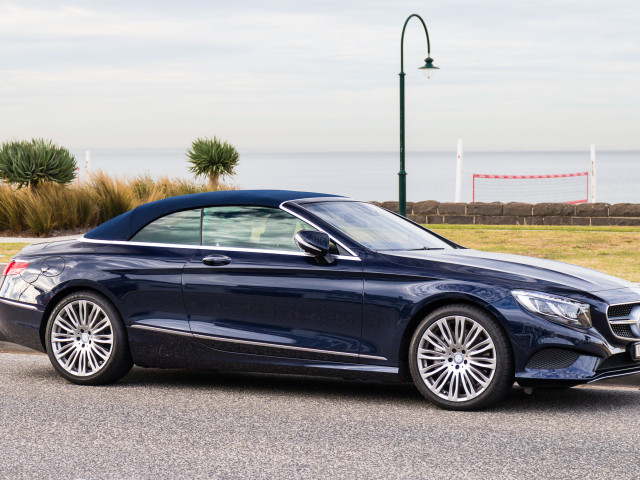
[500, 353]
[118, 362]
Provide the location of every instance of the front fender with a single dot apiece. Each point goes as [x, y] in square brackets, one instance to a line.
[393, 306]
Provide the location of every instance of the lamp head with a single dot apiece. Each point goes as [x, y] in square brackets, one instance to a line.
[429, 68]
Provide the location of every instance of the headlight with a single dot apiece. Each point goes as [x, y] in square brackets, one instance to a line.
[557, 309]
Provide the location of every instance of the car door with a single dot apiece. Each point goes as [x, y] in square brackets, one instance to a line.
[147, 270]
[250, 289]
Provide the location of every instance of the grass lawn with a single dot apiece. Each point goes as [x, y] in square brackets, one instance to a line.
[8, 250]
[614, 250]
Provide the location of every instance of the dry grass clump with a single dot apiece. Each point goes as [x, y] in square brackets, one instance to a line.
[83, 204]
[113, 196]
[51, 207]
[146, 189]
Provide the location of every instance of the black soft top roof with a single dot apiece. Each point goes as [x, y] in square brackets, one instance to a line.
[124, 226]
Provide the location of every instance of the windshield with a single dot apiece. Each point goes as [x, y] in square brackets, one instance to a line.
[374, 227]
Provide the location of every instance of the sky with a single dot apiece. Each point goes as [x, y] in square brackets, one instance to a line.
[288, 75]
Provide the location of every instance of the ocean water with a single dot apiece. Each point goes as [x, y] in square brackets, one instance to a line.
[373, 175]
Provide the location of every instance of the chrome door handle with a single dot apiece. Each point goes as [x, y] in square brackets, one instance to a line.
[216, 260]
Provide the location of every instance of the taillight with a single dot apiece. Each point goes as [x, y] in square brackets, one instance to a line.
[15, 268]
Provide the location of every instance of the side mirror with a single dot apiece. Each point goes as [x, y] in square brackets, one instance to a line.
[315, 243]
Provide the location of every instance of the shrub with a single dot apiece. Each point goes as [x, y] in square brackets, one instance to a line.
[31, 163]
[212, 158]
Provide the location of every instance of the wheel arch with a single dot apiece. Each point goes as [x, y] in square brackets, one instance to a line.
[425, 309]
[67, 289]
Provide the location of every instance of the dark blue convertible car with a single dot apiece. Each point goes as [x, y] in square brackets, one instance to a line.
[307, 283]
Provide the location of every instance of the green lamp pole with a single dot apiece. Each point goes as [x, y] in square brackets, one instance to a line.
[428, 69]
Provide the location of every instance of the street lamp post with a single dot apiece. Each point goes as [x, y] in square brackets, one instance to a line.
[428, 69]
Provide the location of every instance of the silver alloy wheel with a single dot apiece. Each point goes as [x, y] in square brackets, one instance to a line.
[82, 338]
[456, 358]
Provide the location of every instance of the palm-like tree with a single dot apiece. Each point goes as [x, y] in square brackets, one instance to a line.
[34, 162]
[213, 158]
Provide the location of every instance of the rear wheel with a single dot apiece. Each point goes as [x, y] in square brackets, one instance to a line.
[86, 340]
[460, 358]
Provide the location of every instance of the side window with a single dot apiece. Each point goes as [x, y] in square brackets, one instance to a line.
[178, 228]
[251, 227]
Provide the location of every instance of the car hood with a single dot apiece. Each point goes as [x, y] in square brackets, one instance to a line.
[517, 268]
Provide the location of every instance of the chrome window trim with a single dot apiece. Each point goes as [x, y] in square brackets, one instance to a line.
[139, 244]
[254, 250]
[352, 256]
[301, 217]
[252, 342]
[302, 201]
[207, 247]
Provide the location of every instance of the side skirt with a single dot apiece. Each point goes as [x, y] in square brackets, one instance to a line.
[164, 348]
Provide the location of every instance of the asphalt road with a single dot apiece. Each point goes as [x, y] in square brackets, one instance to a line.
[177, 424]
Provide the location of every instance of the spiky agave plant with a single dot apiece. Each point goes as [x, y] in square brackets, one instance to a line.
[212, 158]
[30, 163]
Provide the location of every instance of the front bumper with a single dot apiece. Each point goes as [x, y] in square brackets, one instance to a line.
[604, 373]
[550, 354]
[585, 369]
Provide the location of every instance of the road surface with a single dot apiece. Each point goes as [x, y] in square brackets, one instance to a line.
[177, 424]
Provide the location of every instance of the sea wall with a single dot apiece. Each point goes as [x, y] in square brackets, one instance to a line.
[516, 213]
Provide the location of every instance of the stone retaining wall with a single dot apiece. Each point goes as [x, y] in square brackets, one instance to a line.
[516, 213]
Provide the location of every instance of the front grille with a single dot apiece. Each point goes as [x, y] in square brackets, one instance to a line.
[623, 331]
[617, 311]
[618, 360]
[552, 358]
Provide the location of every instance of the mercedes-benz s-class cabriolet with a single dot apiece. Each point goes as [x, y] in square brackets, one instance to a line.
[309, 283]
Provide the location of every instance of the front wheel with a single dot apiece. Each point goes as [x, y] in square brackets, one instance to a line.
[461, 359]
[86, 340]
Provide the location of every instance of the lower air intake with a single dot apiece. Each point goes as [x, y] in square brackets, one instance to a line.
[552, 358]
